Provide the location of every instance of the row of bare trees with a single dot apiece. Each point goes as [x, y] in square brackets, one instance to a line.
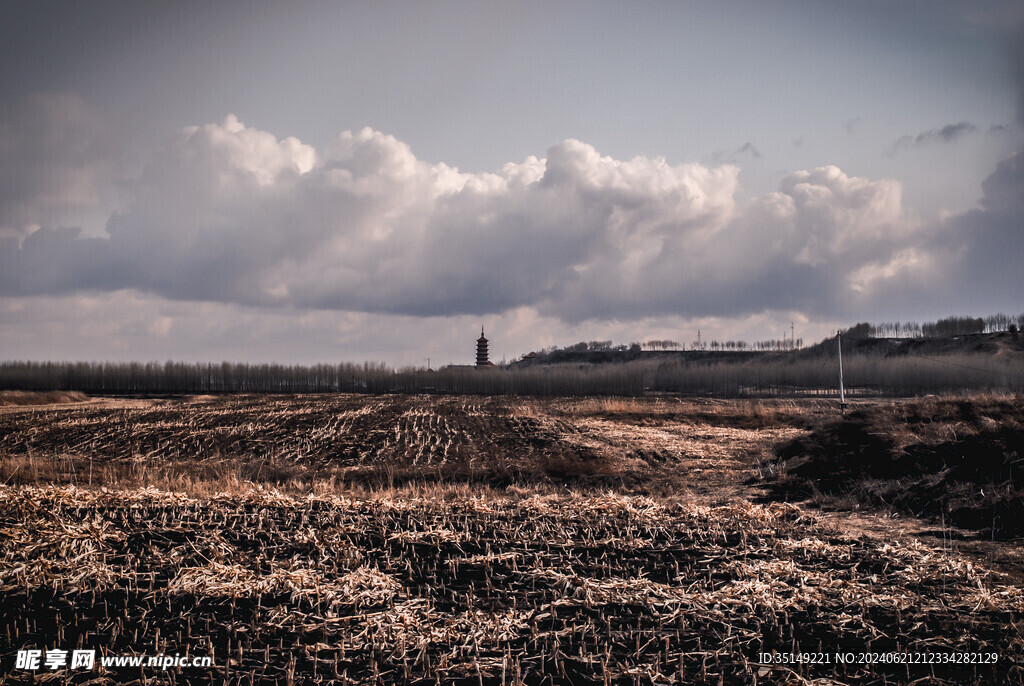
[905, 375]
[943, 328]
[186, 377]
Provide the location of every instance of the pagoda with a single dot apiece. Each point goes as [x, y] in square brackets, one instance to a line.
[481, 351]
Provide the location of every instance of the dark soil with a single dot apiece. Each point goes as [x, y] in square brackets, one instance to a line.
[959, 462]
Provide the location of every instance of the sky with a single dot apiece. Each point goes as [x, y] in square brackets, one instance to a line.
[320, 181]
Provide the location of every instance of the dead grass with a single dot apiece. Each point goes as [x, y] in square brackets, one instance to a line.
[491, 585]
[8, 398]
[955, 459]
[398, 539]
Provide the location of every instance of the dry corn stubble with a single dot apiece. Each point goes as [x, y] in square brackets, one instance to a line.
[463, 579]
[582, 585]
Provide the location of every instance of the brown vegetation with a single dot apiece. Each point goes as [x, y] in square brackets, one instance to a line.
[495, 588]
[872, 368]
[470, 540]
[957, 460]
[292, 442]
[40, 397]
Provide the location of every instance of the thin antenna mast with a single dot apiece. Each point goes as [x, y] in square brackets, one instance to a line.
[842, 394]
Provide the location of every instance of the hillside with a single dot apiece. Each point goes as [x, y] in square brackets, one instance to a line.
[619, 356]
[1001, 344]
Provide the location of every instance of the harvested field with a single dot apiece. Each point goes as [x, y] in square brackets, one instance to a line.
[413, 539]
[492, 588]
[389, 440]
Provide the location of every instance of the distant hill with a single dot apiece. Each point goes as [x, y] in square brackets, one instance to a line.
[1000, 343]
[997, 344]
[619, 356]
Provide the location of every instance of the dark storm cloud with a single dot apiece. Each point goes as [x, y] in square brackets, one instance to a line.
[231, 214]
[973, 261]
[1004, 188]
[993, 236]
[945, 134]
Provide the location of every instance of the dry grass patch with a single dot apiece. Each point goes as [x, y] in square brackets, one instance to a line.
[19, 398]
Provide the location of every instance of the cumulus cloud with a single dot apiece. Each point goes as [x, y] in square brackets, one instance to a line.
[944, 134]
[792, 248]
[230, 214]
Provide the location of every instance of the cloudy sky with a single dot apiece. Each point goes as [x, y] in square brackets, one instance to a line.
[320, 181]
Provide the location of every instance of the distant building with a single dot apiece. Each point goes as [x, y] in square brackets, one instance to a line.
[481, 351]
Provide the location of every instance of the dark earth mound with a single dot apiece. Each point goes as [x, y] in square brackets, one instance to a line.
[961, 462]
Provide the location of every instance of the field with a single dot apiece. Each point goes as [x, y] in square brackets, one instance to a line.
[495, 540]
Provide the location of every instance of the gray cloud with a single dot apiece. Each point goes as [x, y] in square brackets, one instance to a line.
[58, 161]
[720, 157]
[1016, 54]
[749, 147]
[945, 134]
[227, 213]
[972, 262]
[992, 237]
[1006, 19]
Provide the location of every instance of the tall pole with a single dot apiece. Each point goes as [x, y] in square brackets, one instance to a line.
[842, 392]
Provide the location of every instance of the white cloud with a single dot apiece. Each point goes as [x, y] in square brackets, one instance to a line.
[836, 216]
[227, 213]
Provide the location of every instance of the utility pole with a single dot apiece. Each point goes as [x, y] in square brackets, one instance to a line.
[698, 339]
[842, 394]
[792, 335]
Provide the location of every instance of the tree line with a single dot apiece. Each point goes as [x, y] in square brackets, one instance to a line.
[769, 344]
[942, 328]
[759, 376]
[609, 346]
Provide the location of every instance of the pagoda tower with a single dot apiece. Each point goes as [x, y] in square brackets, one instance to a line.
[481, 350]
